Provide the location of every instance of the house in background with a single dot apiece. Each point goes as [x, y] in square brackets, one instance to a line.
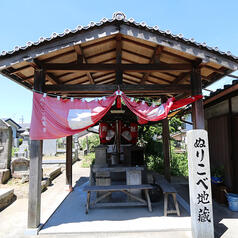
[221, 121]
[15, 130]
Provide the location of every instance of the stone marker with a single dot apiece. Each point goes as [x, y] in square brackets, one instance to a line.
[5, 151]
[200, 184]
[20, 167]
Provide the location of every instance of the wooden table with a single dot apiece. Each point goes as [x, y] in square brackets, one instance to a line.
[122, 188]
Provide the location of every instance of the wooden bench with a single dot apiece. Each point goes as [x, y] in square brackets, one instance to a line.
[168, 190]
[122, 188]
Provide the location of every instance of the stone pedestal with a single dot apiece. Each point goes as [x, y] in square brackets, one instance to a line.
[133, 177]
[101, 156]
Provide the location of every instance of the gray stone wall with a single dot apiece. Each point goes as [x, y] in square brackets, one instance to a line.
[5, 145]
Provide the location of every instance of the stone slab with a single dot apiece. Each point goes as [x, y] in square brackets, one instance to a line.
[5, 175]
[6, 197]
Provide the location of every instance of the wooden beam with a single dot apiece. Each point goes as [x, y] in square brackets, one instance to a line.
[39, 65]
[197, 107]
[69, 151]
[39, 80]
[166, 145]
[119, 72]
[164, 88]
[79, 52]
[117, 67]
[154, 59]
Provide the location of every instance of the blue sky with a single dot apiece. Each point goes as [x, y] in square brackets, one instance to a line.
[213, 22]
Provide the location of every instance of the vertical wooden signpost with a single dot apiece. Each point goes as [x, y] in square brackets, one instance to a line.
[200, 184]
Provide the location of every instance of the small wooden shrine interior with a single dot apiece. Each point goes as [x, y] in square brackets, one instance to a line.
[95, 60]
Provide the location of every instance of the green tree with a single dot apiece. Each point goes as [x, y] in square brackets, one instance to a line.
[150, 137]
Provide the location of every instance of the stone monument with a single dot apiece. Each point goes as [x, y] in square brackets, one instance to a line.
[5, 151]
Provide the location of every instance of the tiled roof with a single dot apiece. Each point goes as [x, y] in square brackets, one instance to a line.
[119, 18]
[219, 90]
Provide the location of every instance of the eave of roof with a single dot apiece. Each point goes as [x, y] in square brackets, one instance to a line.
[119, 19]
[220, 93]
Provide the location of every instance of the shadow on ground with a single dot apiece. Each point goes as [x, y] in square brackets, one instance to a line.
[70, 216]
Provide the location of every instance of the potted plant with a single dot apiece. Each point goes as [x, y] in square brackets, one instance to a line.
[217, 175]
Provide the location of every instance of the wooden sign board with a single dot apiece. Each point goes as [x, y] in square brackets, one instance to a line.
[200, 184]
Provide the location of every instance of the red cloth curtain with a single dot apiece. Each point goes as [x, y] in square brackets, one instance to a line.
[147, 113]
[53, 118]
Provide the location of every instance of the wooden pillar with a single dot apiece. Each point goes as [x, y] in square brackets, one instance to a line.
[34, 197]
[166, 146]
[35, 177]
[197, 107]
[69, 162]
[119, 73]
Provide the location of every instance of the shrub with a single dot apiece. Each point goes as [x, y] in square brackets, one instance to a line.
[93, 141]
[88, 160]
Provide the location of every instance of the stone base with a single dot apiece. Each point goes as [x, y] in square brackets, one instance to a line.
[4, 175]
[33, 231]
[6, 197]
[20, 174]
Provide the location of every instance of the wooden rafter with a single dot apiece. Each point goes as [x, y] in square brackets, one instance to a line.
[219, 71]
[138, 43]
[79, 52]
[154, 59]
[97, 43]
[136, 54]
[104, 77]
[58, 56]
[101, 53]
[75, 78]
[70, 67]
[15, 71]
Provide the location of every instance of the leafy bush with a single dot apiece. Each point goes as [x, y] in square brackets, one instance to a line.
[14, 150]
[20, 141]
[93, 141]
[150, 138]
[88, 160]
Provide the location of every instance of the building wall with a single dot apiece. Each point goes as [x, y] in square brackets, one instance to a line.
[222, 126]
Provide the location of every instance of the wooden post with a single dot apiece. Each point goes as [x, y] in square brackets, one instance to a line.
[197, 107]
[34, 200]
[166, 145]
[35, 177]
[69, 162]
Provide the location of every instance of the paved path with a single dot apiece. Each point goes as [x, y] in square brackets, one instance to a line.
[13, 219]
